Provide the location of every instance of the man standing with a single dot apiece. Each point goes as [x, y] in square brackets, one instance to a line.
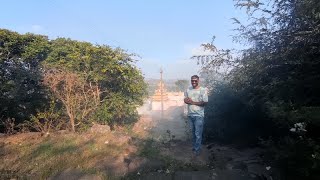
[196, 97]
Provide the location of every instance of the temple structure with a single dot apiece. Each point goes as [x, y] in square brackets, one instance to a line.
[160, 90]
[162, 100]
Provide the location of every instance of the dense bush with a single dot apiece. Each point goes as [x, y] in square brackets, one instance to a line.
[272, 87]
[25, 61]
[228, 118]
[21, 91]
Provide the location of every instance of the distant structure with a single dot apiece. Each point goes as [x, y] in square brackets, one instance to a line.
[163, 100]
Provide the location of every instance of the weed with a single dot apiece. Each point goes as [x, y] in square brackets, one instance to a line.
[149, 149]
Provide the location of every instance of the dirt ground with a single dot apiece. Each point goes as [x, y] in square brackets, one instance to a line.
[218, 161]
[159, 147]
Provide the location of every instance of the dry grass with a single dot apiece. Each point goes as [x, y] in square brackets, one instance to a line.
[30, 155]
[107, 155]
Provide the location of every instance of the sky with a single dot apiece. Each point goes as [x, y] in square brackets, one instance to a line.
[164, 33]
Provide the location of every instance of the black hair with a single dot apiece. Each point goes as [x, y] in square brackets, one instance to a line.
[195, 76]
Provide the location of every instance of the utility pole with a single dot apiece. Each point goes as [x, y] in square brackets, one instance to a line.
[161, 92]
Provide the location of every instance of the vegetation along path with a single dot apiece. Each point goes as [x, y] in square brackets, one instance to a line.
[156, 148]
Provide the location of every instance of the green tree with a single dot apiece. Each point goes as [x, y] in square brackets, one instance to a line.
[25, 59]
[182, 85]
[21, 92]
[277, 77]
[113, 70]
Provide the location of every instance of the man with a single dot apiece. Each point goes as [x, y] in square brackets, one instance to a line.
[196, 97]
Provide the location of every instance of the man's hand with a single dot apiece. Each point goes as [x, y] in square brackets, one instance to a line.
[188, 100]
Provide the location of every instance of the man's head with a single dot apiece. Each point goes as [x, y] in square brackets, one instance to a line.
[195, 81]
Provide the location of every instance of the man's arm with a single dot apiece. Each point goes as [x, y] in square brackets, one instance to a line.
[201, 103]
[186, 98]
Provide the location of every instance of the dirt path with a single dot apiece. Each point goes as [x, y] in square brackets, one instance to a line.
[170, 126]
[216, 161]
[159, 148]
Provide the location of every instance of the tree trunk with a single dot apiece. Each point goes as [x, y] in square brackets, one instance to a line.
[72, 123]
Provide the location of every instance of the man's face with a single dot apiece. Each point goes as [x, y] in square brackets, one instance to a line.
[194, 82]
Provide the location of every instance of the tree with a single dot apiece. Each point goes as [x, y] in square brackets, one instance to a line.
[182, 85]
[79, 98]
[113, 70]
[277, 77]
[279, 72]
[27, 60]
[281, 69]
[21, 91]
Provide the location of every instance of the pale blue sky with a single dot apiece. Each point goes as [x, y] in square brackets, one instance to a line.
[164, 33]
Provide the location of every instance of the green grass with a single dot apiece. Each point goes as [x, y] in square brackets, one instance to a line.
[149, 149]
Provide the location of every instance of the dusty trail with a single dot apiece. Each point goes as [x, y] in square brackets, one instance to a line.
[218, 161]
[119, 154]
[171, 126]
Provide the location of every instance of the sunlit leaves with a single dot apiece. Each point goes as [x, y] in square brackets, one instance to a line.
[24, 59]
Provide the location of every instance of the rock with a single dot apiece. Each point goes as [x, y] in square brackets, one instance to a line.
[120, 138]
[241, 166]
[191, 175]
[90, 177]
[131, 150]
[153, 165]
[62, 132]
[156, 176]
[143, 125]
[74, 174]
[229, 166]
[135, 163]
[98, 128]
[232, 175]
[114, 166]
[240, 159]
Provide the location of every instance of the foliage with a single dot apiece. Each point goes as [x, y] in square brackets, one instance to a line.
[279, 73]
[182, 85]
[21, 92]
[149, 149]
[275, 80]
[228, 118]
[121, 84]
[298, 157]
[112, 69]
[27, 60]
[116, 110]
[282, 66]
[47, 121]
[79, 98]
[9, 125]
